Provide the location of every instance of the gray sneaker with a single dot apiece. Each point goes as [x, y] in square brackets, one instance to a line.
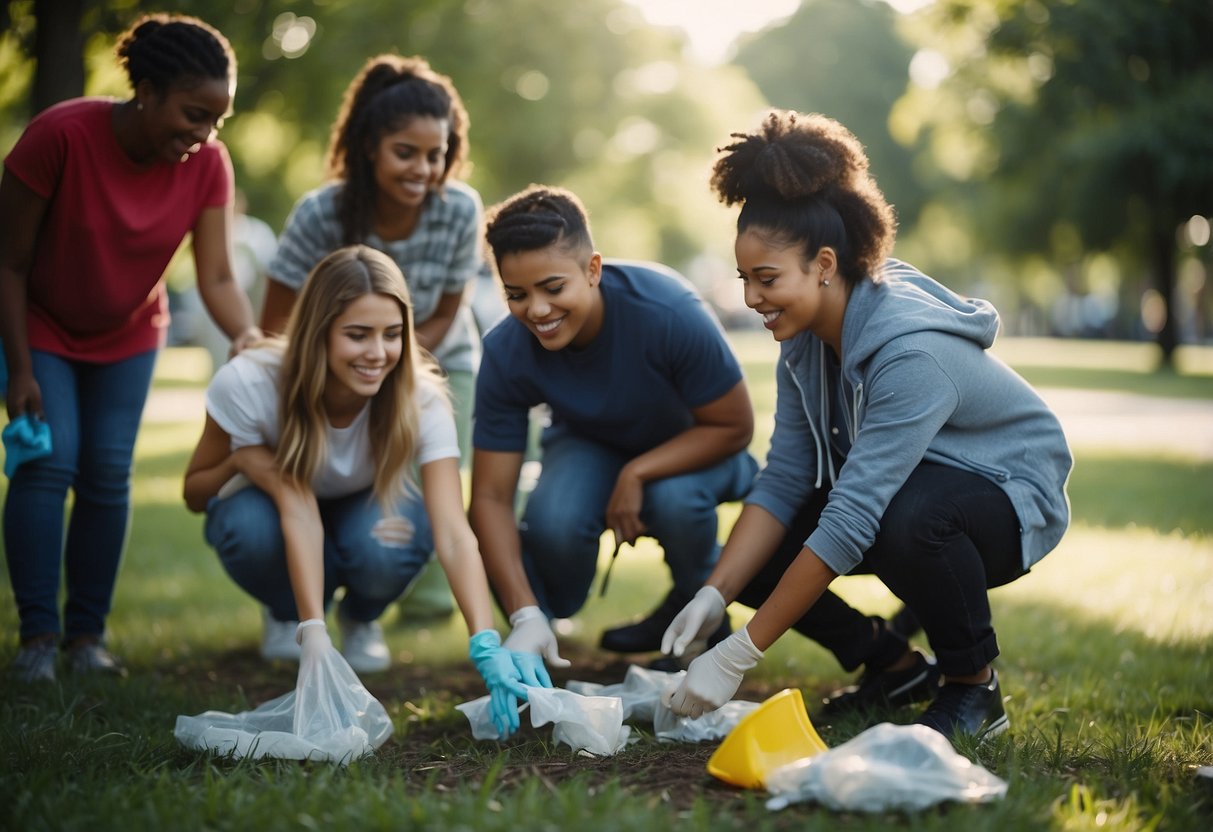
[278, 638]
[363, 645]
[85, 658]
[35, 662]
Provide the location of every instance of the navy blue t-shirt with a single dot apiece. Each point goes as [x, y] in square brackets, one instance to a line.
[660, 353]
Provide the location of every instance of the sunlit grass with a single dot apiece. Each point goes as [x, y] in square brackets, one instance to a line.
[1106, 663]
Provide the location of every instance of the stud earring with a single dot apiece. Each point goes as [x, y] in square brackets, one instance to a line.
[139, 106]
[825, 282]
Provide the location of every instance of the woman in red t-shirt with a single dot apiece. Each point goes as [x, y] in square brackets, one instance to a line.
[96, 197]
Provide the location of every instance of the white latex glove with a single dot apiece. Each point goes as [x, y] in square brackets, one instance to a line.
[714, 677]
[530, 632]
[697, 620]
[313, 638]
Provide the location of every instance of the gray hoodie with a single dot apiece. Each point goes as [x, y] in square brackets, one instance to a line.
[919, 386]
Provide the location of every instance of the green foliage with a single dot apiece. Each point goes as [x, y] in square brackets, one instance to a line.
[1072, 126]
[800, 65]
[583, 95]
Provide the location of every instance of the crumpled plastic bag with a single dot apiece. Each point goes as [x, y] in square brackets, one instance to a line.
[589, 716]
[584, 723]
[329, 716]
[887, 767]
[641, 692]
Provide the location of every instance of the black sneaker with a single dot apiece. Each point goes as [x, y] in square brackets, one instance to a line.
[644, 636]
[967, 709]
[673, 664]
[887, 688]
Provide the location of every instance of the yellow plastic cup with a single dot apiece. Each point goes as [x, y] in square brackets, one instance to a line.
[774, 734]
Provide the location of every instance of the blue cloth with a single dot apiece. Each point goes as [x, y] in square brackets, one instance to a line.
[25, 438]
[660, 354]
[93, 413]
[245, 531]
[919, 386]
[564, 519]
[496, 666]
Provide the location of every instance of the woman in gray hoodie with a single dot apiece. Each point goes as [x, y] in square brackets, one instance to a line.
[902, 447]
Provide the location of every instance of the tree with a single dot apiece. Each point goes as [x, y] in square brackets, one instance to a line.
[577, 94]
[847, 60]
[1087, 124]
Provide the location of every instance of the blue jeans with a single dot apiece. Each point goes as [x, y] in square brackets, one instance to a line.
[566, 515]
[93, 411]
[946, 538]
[245, 531]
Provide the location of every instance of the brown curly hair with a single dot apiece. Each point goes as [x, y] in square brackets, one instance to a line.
[803, 179]
[386, 95]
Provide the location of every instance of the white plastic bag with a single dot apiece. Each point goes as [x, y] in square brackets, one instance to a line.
[887, 767]
[584, 723]
[713, 725]
[329, 716]
[641, 691]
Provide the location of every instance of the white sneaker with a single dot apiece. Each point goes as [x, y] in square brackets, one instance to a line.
[278, 640]
[363, 646]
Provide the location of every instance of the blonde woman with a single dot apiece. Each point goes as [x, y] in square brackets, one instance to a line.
[304, 471]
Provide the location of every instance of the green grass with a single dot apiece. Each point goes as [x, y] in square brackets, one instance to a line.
[1106, 660]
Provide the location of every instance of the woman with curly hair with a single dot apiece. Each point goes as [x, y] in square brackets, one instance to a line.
[96, 197]
[901, 448]
[303, 470]
[396, 151]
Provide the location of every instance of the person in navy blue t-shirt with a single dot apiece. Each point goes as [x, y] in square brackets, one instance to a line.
[650, 420]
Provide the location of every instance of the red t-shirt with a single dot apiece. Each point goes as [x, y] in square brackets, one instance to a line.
[96, 289]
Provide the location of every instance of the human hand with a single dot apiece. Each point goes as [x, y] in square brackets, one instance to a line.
[23, 396]
[245, 340]
[623, 508]
[313, 638]
[496, 666]
[713, 678]
[530, 667]
[530, 632]
[697, 620]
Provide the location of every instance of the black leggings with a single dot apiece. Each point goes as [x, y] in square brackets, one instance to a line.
[946, 537]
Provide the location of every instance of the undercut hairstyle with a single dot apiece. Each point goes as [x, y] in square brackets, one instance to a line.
[175, 50]
[537, 218]
[337, 281]
[803, 180]
[388, 93]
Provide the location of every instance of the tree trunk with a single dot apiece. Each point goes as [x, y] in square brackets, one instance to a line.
[58, 51]
[1163, 268]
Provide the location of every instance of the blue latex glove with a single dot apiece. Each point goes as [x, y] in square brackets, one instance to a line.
[25, 438]
[532, 669]
[496, 666]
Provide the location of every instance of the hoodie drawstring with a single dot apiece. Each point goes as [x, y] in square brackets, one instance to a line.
[824, 459]
[825, 409]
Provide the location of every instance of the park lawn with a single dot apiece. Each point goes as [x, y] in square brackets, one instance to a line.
[1106, 663]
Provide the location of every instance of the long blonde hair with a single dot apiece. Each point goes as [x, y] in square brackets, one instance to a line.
[337, 281]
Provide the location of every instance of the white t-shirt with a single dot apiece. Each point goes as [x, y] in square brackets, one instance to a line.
[243, 400]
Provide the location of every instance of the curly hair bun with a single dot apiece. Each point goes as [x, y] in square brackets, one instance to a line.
[792, 156]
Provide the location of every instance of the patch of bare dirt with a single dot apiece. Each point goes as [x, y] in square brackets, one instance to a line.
[433, 746]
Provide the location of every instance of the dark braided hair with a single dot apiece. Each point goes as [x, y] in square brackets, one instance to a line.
[168, 50]
[385, 96]
[803, 179]
[536, 218]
